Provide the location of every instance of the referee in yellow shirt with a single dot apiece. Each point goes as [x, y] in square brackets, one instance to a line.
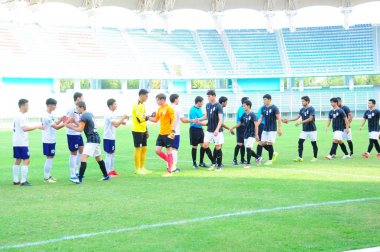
[140, 133]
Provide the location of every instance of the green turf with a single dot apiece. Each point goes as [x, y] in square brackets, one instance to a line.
[48, 211]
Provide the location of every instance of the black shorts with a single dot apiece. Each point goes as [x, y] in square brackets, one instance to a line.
[240, 135]
[139, 139]
[196, 136]
[164, 141]
[261, 129]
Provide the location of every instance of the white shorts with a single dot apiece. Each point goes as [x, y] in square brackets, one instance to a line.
[92, 149]
[268, 136]
[249, 142]
[312, 135]
[209, 137]
[374, 135]
[338, 135]
[347, 136]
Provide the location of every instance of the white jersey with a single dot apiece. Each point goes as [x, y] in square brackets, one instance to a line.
[178, 116]
[109, 130]
[73, 113]
[20, 137]
[49, 133]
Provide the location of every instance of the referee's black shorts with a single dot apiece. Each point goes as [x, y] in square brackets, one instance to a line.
[240, 135]
[139, 139]
[196, 136]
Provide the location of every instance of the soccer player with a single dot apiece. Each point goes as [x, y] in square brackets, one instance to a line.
[272, 117]
[51, 124]
[140, 132]
[249, 119]
[309, 129]
[196, 132]
[174, 100]
[347, 136]
[21, 143]
[74, 139]
[92, 147]
[240, 135]
[372, 115]
[165, 115]
[214, 116]
[223, 102]
[109, 135]
[339, 124]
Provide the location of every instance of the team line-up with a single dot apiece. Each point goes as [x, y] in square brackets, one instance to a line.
[262, 127]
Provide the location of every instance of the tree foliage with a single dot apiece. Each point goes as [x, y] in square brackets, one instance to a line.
[203, 84]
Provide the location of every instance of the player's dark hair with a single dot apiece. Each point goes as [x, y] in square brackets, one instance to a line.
[161, 97]
[110, 102]
[81, 104]
[244, 99]
[373, 101]
[248, 103]
[77, 95]
[22, 102]
[173, 97]
[339, 99]
[334, 99]
[222, 99]
[198, 99]
[143, 92]
[211, 92]
[267, 96]
[51, 101]
[305, 98]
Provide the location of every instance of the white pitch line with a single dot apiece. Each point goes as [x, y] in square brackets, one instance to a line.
[187, 221]
[324, 173]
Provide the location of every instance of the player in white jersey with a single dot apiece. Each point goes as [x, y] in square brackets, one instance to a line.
[174, 99]
[74, 140]
[21, 143]
[51, 124]
[109, 135]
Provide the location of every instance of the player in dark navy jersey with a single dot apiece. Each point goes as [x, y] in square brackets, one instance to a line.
[347, 136]
[251, 127]
[92, 147]
[339, 124]
[373, 116]
[240, 135]
[309, 129]
[271, 114]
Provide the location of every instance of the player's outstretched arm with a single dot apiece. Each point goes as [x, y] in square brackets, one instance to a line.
[328, 124]
[305, 121]
[31, 128]
[363, 123]
[291, 119]
[116, 124]
[279, 126]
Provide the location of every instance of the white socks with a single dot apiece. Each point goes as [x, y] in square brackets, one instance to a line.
[47, 167]
[16, 171]
[24, 173]
[77, 163]
[73, 166]
[175, 156]
[108, 161]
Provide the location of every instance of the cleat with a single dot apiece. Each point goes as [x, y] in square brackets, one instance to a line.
[298, 159]
[212, 167]
[105, 178]
[146, 171]
[140, 172]
[16, 183]
[313, 159]
[346, 156]
[113, 173]
[378, 155]
[203, 165]
[269, 162]
[247, 166]
[26, 183]
[259, 160]
[219, 169]
[234, 162]
[195, 166]
[167, 174]
[366, 155]
[333, 156]
[328, 157]
[351, 154]
[275, 156]
[176, 170]
[243, 161]
[74, 180]
[50, 180]
[77, 175]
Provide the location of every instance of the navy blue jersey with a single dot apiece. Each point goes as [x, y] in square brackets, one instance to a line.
[90, 128]
[373, 119]
[249, 121]
[305, 114]
[213, 111]
[270, 118]
[346, 110]
[337, 116]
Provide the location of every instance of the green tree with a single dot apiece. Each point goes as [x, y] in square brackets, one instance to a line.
[85, 84]
[111, 84]
[66, 84]
[203, 84]
[155, 84]
[373, 80]
[133, 84]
